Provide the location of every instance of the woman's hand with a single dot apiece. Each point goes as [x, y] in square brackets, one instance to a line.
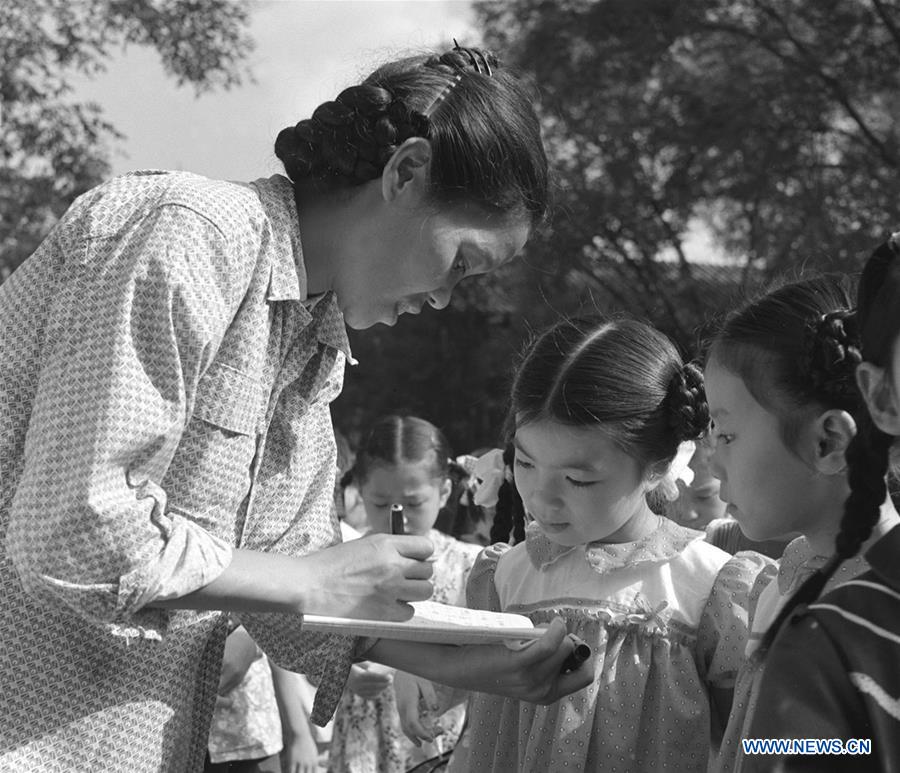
[532, 673]
[372, 577]
[369, 679]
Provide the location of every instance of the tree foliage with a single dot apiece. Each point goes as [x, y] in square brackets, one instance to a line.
[52, 148]
[772, 122]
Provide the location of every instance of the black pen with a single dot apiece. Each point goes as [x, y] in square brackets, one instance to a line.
[577, 656]
[398, 521]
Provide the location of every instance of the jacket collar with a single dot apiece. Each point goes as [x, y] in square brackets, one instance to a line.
[287, 279]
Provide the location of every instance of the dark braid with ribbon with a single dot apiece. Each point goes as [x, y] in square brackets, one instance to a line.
[686, 403]
[349, 140]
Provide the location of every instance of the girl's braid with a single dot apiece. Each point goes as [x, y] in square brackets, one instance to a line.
[686, 403]
[868, 459]
[832, 353]
[509, 515]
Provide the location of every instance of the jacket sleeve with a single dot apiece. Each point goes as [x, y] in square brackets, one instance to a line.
[805, 692]
[134, 320]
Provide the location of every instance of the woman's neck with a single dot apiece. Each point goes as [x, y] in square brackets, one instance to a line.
[330, 224]
[320, 224]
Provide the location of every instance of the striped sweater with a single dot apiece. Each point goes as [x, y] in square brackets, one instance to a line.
[834, 672]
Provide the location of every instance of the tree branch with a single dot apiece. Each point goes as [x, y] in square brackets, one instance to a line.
[888, 22]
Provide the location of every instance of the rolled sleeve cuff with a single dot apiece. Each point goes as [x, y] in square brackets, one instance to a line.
[189, 559]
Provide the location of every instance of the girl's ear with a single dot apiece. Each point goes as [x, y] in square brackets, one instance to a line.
[446, 488]
[407, 173]
[833, 430]
[879, 395]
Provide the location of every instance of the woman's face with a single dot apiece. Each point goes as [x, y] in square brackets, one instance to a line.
[415, 256]
[412, 485]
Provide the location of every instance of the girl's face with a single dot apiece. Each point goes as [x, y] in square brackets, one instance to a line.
[578, 485]
[769, 488]
[880, 387]
[411, 485]
[699, 503]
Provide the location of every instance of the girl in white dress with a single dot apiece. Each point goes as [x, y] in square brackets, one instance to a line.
[599, 408]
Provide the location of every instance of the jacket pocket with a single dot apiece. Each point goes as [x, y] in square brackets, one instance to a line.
[229, 399]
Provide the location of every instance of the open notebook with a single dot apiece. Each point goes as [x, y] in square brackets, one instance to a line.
[434, 622]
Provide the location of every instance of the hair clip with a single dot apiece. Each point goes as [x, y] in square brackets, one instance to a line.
[477, 58]
[442, 96]
[894, 242]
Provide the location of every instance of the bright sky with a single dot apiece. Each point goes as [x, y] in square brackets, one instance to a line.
[306, 52]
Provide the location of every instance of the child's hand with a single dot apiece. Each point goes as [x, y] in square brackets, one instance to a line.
[368, 680]
[299, 755]
[417, 706]
[372, 577]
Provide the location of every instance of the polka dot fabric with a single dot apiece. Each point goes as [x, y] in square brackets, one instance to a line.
[665, 617]
[164, 397]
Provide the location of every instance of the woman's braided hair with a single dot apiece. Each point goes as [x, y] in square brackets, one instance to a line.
[478, 117]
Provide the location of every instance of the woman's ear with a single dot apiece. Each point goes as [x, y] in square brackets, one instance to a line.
[833, 430]
[407, 173]
[878, 393]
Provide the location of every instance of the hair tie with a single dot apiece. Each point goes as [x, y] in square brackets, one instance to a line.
[893, 242]
[488, 472]
[833, 352]
[679, 470]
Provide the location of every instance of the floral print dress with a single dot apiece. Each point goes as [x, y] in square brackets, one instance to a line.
[367, 737]
[666, 619]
